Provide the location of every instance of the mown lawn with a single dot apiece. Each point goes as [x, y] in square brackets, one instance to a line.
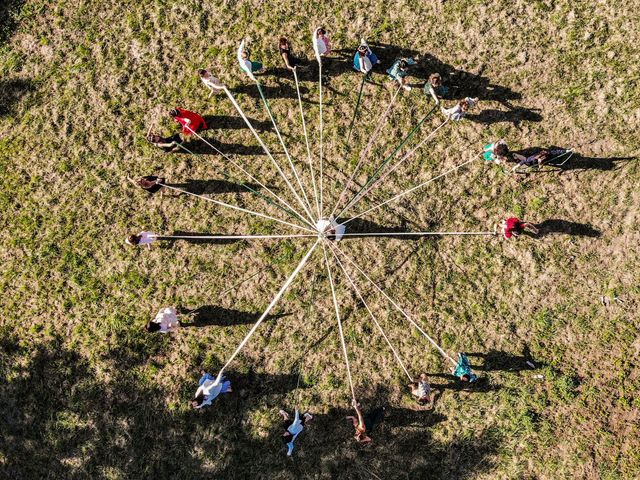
[85, 392]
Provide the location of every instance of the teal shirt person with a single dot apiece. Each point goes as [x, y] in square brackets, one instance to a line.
[395, 72]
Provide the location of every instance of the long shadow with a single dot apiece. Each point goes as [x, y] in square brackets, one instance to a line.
[482, 385]
[228, 122]
[202, 187]
[578, 161]
[513, 115]
[283, 90]
[9, 13]
[11, 91]
[497, 360]
[200, 241]
[201, 148]
[552, 226]
[224, 317]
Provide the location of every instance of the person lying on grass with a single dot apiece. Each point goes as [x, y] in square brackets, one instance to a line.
[143, 238]
[166, 321]
[150, 183]
[293, 428]
[209, 389]
[190, 121]
[422, 391]
[513, 227]
[167, 144]
[364, 424]
[399, 71]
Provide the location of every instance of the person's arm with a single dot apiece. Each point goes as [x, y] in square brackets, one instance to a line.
[356, 407]
[432, 91]
[285, 57]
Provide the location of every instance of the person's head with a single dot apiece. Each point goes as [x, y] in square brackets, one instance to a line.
[133, 239]
[464, 105]
[203, 73]
[245, 54]
[465, 378]
[321, 32]
[174, 112]
[198, 400]
[152, 326]
[403, 65]
[153, 138]
[423, 377]
[362, 49]
[435, 79]
[284, 43]
[502, 151]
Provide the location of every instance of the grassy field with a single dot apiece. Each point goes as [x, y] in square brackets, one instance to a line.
[86, 393]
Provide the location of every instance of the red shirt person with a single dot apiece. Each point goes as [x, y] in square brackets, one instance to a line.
[512, 226]
[188, 120]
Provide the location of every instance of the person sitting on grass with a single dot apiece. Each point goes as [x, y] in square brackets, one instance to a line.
[191, 122]
[364, 424]
[143, 238]
[212, 83]
[166, 321]
[422, 391]
[540, 158]
[463, 369]
[322, 42]
[285, 52]
[209, 389]
[434, 88]
[399, 71]
[459, 110]
[167, 144]
[293, 428]
[364, 59]
[498, 152]
[513, 227]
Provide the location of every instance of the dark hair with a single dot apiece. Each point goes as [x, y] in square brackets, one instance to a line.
[174, 112]
[322, 31]
[362, 48]
[465, 378]
[403, 64]
[199, 399]
[287, 436]
[134, 239]
[202, 72]
[283, 40]
[152, 326]
[501, 150]
[153, 138]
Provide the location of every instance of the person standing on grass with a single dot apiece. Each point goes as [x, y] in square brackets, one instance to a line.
[463, 369]
[212, 83]
[167, 144]
[285, 52]
[364, 59]
[293, 428]
[513, 227]
[143, 238]
[246, 64]
[322, 42]
[150, 183]
[459, 110]
[209, 388]
[435, 88]
[422, 391]
[364, 424]
[190, 121]
[166, 321]
[399, 71]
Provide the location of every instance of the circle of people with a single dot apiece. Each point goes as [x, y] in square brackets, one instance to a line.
[364, 61]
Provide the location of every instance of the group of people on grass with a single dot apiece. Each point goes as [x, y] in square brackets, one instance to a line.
[364, 61]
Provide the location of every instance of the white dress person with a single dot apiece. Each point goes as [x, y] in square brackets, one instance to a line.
[210, 387]
[167, 318]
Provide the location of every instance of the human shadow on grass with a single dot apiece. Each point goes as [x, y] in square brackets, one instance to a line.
[58, 406]
[10, 15]
[576, 161]
[201, 148]
[215, 315]
[497, 360]
[558, 226]
[229, 122]
[198, 241]
[282, 90]
[482, 385]
[213, 186]
[11, 91]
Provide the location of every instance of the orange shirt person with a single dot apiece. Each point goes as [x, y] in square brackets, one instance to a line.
[190, 121]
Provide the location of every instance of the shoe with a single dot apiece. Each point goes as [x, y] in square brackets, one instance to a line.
[406, 87]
